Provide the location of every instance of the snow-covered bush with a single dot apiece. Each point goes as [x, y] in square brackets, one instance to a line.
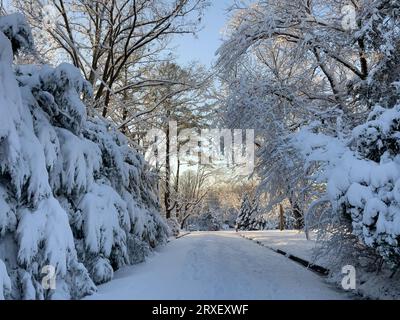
[206, 221]
[363, 178]
[229, 217]
[271, 224]
[174, 226]
[73, 194]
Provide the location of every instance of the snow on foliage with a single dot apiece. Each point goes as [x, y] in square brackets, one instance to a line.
[174, 226]
[205, 221]
[5, 282]
[15, 28]
[290, 67]
[105, 221]
[249, 217]
[73, 193]
[42, 230]
[362, 174]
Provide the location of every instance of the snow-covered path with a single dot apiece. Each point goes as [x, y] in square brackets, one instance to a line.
[216, 265]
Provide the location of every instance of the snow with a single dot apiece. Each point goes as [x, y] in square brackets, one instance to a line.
[362, 174]
[216, 265]
[45, 227]
[82, 159]
[7, 115]
[358, 195]
[103, 209]
[73, 193]
[292, 242]
[5, 282]
[347, 183]
[14, 26]
[8, 220]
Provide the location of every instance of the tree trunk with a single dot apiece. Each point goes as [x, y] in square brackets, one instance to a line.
[178, 166]
[167, 194]
[185, 217]
[281, 218]
[106, 103]
[297, 214]
[124, 129]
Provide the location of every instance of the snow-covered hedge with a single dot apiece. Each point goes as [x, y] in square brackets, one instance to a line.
[73, 194]
[362, 173]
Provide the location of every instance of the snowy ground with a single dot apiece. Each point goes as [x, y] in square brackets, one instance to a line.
[216, 265]
[290, 241]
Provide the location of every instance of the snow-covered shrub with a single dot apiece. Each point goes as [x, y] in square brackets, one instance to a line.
[73, 194]
[174, 226]
[100, 269]
[206, 221]
[271, 224]
[137, 249]
[229, 217]
[363, 178]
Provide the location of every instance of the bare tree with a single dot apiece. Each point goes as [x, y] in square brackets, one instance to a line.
[193, 190]
[106, 38]
[182, 100]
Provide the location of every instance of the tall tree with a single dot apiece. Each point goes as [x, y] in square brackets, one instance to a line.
[73, 194]
[286, 63]
[104, 38]
[181, 102]
[192, 193]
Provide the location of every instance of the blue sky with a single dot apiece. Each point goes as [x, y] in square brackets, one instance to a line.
[202, 48]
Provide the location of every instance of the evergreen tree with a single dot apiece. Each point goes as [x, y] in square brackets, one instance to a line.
[247, 218]
[258, 223]
[73, 194]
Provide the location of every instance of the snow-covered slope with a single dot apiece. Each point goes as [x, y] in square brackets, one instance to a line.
[73, 194]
